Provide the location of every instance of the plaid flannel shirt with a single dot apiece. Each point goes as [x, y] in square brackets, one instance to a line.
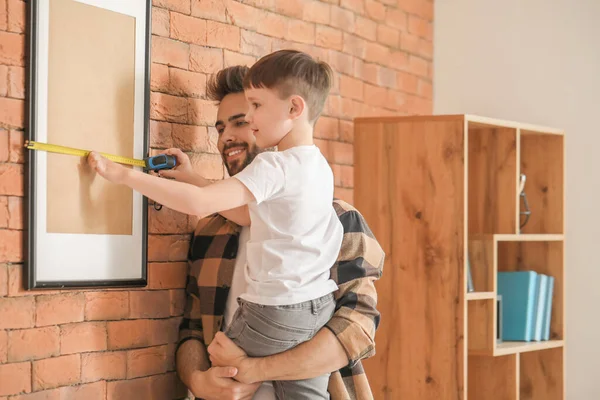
[212, 258]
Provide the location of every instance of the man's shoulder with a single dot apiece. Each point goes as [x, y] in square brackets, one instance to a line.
[352, 220]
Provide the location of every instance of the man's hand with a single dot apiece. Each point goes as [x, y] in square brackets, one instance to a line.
[223, 352]
[182, 171]
[109, 170]
[217, 383]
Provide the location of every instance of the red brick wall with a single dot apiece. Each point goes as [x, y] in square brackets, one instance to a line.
[118, 344]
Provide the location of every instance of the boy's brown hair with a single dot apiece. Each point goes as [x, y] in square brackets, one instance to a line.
[293, 72]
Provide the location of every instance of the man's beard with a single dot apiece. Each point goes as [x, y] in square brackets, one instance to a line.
[238, 165]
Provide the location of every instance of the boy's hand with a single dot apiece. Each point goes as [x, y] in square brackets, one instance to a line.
[182, 170]
[107, 169]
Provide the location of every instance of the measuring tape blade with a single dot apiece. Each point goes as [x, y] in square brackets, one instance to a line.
[54, 148]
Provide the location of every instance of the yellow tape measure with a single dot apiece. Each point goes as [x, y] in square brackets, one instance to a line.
[54, 148]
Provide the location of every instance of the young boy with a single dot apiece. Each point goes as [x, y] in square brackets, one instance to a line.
[285, 196]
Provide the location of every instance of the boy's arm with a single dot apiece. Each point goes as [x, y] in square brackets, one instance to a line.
[186, 198]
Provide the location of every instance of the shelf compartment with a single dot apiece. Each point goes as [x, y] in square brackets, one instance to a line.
[493, 378]
[480, 295]
[542, 161]
[492, 178]
[541, 375]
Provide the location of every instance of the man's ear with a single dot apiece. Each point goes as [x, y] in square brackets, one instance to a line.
[297, 106]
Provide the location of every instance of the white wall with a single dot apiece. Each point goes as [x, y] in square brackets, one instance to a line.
[538, 61]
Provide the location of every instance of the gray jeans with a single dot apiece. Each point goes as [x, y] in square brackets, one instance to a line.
[266, 330]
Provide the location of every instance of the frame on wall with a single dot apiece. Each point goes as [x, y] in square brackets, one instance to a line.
[89, 88]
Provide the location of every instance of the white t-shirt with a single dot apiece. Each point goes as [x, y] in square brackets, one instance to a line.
[238, 286]
[295, 234]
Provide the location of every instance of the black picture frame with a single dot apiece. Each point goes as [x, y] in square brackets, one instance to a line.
[30, 242]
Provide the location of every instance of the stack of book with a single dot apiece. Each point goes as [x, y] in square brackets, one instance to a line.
[526, 305]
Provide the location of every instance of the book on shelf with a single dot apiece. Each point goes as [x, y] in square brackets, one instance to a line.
[527, 305]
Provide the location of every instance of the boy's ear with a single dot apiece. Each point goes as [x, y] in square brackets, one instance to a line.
[297, 106]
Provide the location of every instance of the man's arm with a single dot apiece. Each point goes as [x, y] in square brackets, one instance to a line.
[191, 358]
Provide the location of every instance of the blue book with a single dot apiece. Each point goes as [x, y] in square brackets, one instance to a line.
[540, 307]
[519, 299]
[548, 309]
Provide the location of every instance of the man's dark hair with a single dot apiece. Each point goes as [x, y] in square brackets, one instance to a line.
[226, 81]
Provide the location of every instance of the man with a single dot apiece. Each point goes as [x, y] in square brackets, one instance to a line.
[217, 257]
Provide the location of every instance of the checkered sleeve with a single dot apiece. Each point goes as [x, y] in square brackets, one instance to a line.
[211, 259]
[359, 265]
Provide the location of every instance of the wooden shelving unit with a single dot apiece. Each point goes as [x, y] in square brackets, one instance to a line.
[436, 191]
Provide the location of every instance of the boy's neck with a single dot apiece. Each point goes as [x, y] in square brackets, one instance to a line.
[301, 135]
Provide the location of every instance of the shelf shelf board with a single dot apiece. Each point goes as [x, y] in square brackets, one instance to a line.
[480, 295]
[505, 348]
[529, 237]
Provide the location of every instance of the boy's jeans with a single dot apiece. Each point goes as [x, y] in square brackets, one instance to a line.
[266, 330]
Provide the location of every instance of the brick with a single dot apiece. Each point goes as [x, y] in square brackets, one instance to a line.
[186, 83]
[423, 9]
[407, 83]
[161, 22]
[11, 247]
[91, 391]
[181, 6]
[166, 221]
[16, 149]
[12, 49]
[167, 275]
[342, 19]
[346, 131]
[60, 309]
[170, 52]
[33, 344]
[388, 36]
[4, 146]
[150, 304]
[16, 82]
[273, 25]
[222, 35]
[159, 78]
[201, 112]
[333, 106]
[425, 49]
[178, 300]
[168, 247]
[355, 46]
[3, 290]
[409, 42]
[164, 107]
[4, 216]
[342, 153]
[166, 385]
[316, 11]
[107, 365]
[57, 371]
[15, 378]
[396, 100]
[358, 6]
[3, 80]
[232, 58]
[12, 111]
[16, 286]
[11, 180]
[264, 4]
[367, 71]
[291, 8]
[396, 18]
[130, 389]
[82, 337]
[366, 28]
[329, 38]
[160, 134]
[244, 15]
[209, 166]
[351, 87]
[375, 95]
[131, 334]
[144, 362]
[420, 27]
[3, 15]
[425, 89]
[341, 62]
[16, 15]
[193, 138]
[350, 108]
[188, 29]
[375, 10]
[210, 9]
[102, 306]
[344, 194]
[377, 53]
[300, 31]
[387, 77]
[52, 394]
[3, 347]
[418, 66]
[207, 60]
[254, 44]
[327, 128]
[398, 60]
